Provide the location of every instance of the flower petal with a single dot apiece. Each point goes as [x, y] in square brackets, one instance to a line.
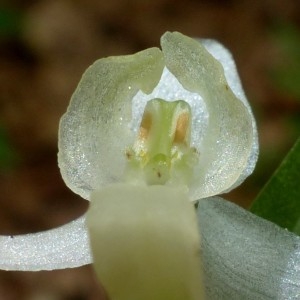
[227, 144]
[63, 247]
[246, 257]
[95, 132]
[222, 54]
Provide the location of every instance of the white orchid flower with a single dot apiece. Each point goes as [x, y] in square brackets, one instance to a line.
[146, 133]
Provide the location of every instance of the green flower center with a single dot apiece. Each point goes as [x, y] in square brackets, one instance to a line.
[162, 151]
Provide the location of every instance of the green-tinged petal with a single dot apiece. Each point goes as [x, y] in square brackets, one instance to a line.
[60, 248]
[145, 243]
[95, 131]
[227, 142]
[245, 256]
[220, 53]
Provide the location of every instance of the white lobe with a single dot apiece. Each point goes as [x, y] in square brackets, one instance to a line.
[94, 132]
[246, 257]
[228, 140]
[220, 53]
[63, 247]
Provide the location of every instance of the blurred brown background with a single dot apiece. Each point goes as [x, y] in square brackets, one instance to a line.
[45, 45]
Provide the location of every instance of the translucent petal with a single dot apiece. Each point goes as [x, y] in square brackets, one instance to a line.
[63, 247]
[227, 143]
[220, 53]
[246, 257]
[95, 131]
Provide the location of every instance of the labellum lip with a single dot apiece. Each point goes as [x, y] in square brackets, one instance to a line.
[146, 243]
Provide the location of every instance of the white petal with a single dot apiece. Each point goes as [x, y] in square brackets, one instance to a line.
[246, 257]
[222, 54]
[94, 133]
[228, 140]
[63, 247]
